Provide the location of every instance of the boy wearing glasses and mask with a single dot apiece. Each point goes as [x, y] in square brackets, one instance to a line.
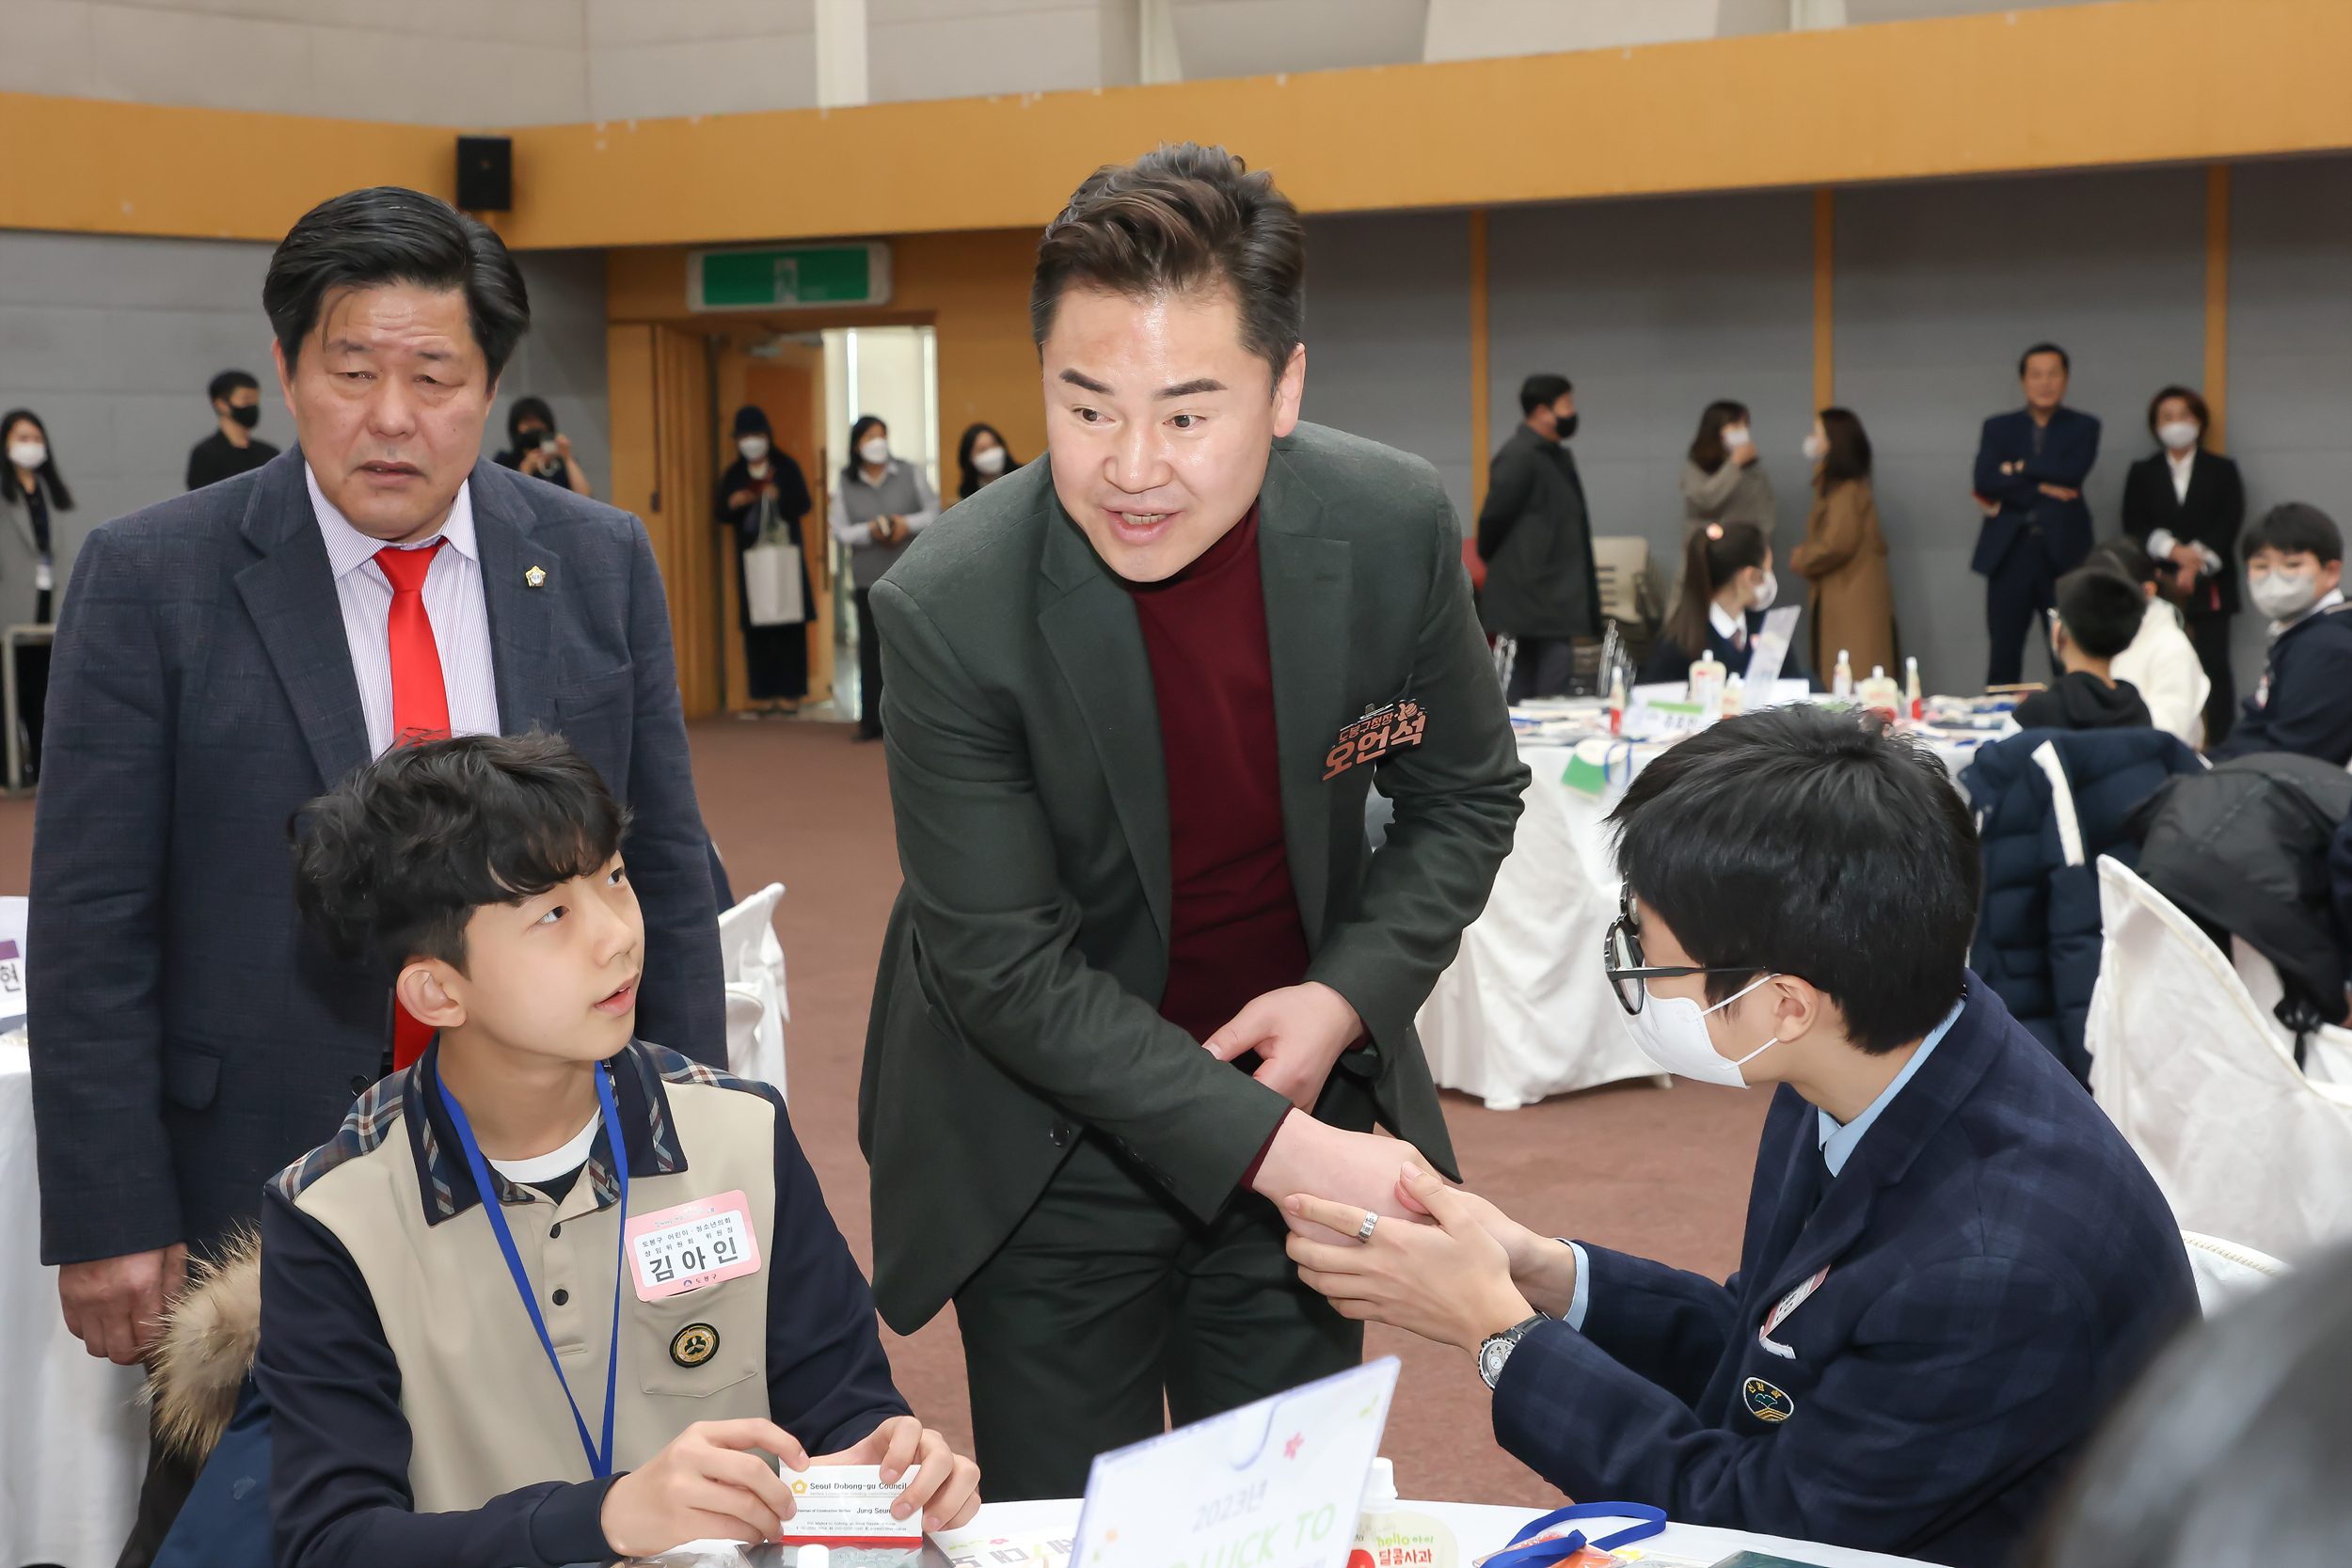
[1952, 1260]
[2294, 574]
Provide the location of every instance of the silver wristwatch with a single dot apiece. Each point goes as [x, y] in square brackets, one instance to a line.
[1496, 1348]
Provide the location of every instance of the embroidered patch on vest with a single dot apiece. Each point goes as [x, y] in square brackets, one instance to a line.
[698, 1342]
[1768, 1403]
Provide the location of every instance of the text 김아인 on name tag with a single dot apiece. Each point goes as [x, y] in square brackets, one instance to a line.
[693, 1244]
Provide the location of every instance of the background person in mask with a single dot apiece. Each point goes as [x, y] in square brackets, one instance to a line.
[2185, 506]
[233, 448]
[1537, 539]
[1727, 585]
[1953, 1262]
[1843, 553]
[775, 659]
[533, 448]
[2294, 576]
[879, 504]
[32, 492]
[981, 457]
[1723, 480]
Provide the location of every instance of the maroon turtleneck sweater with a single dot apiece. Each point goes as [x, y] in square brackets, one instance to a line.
[1235, 931]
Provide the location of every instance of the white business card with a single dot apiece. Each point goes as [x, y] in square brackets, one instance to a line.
[848, 1505]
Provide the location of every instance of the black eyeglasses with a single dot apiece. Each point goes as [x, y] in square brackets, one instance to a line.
[1621, 960]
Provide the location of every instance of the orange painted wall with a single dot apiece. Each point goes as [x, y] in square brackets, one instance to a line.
[2138, 81]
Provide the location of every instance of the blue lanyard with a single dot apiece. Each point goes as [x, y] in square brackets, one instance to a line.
[600, 1460]
[1535, 1554]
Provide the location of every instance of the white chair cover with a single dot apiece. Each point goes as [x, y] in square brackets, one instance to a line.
[2194, 1073]
[2227, 1272]
[758, 1008]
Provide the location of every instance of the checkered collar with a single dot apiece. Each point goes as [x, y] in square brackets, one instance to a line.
[637, 1096]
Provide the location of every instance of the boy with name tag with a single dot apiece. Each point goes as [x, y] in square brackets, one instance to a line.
[1953, 1262]
[593, 1364]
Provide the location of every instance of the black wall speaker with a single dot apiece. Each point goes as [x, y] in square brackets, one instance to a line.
[485, 174]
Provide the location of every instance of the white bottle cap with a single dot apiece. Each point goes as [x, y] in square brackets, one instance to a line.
[1878, 672]
[1841, 656]
[1380, 1489]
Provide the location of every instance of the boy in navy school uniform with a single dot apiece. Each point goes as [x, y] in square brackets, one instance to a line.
[2294, 574]
[1953, 1262]
[410, 1346]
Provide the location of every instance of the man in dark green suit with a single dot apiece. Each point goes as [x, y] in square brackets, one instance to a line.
[1134, 696]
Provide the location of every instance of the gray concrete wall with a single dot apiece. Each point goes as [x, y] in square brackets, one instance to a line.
[2290, 348]
[1388, 335]
[1939, 286]
[111, 340]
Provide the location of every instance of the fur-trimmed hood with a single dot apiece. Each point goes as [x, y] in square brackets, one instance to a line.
[207, 1347]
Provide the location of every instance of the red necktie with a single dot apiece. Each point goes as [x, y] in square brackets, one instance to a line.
[420, 712]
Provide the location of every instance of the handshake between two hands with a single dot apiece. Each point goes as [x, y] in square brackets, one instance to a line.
[1449, 1266]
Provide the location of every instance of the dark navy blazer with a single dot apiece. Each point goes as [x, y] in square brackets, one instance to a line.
[1999, 1266]
[1668, 662]
[2305, 702]
[194, 1039]
[2069, 445]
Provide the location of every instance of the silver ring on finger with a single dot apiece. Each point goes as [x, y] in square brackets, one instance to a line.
[1363, 1231]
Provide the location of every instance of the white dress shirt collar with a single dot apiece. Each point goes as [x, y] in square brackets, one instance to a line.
[2183, 464]
[2328, 600]
[1728, 625]
[348, 549]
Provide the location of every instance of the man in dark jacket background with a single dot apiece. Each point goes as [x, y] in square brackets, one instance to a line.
[2030, 468]
[1537, 539]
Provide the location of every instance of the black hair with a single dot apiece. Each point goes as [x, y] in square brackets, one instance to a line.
[2064, 363]
[971, 476]
[2125, 559]
[1807, 841]
[752, 420]
[390, 864]
[2197, 409]
[1707, 448]
[388, 234]
[857, 433]
[1712, 556]
[528, 408]
[1180, 218]
[1543, 390]
[1849, 454]
[2099, 610]
[2291, 529]
[227, 382]
[46, 476]
[2232, 1448]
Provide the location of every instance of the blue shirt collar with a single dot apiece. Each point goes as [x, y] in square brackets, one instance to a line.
[1838, 1143]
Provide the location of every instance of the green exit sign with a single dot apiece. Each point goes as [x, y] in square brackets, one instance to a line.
[788, 277]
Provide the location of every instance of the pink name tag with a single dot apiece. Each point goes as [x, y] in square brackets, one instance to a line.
[695, 1245]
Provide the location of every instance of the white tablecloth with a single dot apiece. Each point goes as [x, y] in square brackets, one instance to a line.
[1478, 1529]
[1523, 1011]
[73, 1442]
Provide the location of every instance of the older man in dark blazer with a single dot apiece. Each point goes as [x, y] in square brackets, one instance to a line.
[1135, 696]
[225, 655]
[2029, 473]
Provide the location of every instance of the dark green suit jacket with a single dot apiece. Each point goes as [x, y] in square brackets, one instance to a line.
[1020, 977]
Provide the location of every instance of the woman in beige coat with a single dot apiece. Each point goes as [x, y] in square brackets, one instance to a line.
[1844, 555]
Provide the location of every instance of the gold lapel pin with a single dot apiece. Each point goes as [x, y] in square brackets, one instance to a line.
[535, 577]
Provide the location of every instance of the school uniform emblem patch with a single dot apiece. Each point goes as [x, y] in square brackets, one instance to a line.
[1768, 1403]
[697, 1344]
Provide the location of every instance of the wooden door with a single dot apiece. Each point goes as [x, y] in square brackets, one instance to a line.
[786, 382]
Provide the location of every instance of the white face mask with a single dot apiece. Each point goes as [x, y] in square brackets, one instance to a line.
[27, 454]
[1815, 448]
[1765, 592]
[1672, 1033]
[991, 462]
[2283, 595]
[2179, 435]
[874, 451]
[1734, 436]
[754, 447]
